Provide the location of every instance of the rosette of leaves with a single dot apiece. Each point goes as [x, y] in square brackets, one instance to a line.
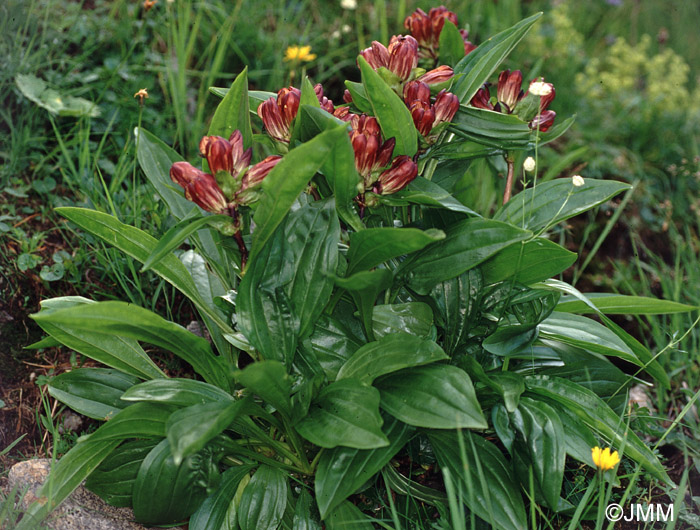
[346, 342]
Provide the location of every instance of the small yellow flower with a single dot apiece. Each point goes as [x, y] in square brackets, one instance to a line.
[141, 94]
[299, 53]
[603, 459]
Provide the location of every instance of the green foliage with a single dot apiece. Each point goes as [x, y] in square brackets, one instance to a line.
[366, 328]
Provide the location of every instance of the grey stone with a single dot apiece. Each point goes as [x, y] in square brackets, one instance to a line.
[82, 510]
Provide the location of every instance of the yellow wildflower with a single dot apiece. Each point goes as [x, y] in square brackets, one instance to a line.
[141, 94]
[299, 53]
[603, 459]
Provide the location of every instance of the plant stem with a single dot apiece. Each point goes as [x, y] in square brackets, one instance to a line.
[509, 180]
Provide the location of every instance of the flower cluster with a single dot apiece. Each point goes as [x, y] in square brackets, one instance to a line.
[231, 181]
[530, 106]
[428, 116]
[426, 29]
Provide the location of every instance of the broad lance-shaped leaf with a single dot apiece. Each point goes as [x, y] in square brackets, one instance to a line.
[541, 437]
[390, 354]
[93, 392]
[451, 44]
[502, 131]
[557, 200]
[122, 353]
[233, 113]
[218, 511]
[139, 245]
[482, 62]
[426, 193]
[131, 321]
[436, 396]
[341, 471]
[364, 288]
[345, 413]
[264, 499]
[373, 246]
[346, 516]
[391, 112]
[483, 477]
[468, 243]
[286, 181]
[588, 334]
[189, 429]
[530, 262]
[179, 392]
[305, 513]
[270, 381]
[415, 318]
[595, 413]
[618, 304]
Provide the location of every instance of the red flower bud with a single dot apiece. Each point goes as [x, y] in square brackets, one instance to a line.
[418, 23]
[225, 155]
[438, 15]
[416, 91]
[259, 171]
[403, 55]
[370, 153]
[347, 97]
[288, 102]
[446, 106]
[326, 104]
[402, 171]
[437, 75]
[277, 115]
[482, 99]
[200, 187]
[545, 120]
[343, 113]
[376, 56]
[423, 116]
[510, 89]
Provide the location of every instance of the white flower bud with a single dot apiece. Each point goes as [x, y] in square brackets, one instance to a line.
[529, 164]
[348, 4]
[540, 88]
[577, 180]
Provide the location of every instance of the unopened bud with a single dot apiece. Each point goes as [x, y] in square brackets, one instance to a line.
[577, 180]
[529, 164]
[437, 75]
[402, 171]
[200, 187]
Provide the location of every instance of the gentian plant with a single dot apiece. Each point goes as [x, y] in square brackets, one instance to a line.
[358, 315]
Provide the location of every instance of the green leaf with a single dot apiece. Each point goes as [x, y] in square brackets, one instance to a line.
[390, 354]
[593, 411]
[121, 353]
[347, 516]
[341, 471]
[374, 246]
[493, 129]
[427, 193]
[233, 113]
[332, 344]
[92, 392]
[405, 486]
[179, 392]
[437, 396]
[554, 201]
[166, 493]
[540, 442]
[67, 474]
[114, 478]
[219, 510]
[345, 413]
[304, 519]
[468, 243]
[482, 62]
[188, 430]
[364, 287]
[140, 420]
[415, 318]
[457, 302]
[618, 304]
[264, 500]
[391, 112]
[483, 477]
[359, 96]
[270, 381]
[451, 44]
[134, 322]
[139, 245]
[463, 149]
[286, 181]
[590, 335]
[255, 97]
[35, 90]
[529, 262]
[176, 235]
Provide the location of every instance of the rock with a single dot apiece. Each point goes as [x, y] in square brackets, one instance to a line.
[82, 510]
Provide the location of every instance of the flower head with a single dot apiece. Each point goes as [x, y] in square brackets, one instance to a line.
[299, 53]
[348, 4]
[540, 88]
[225, 155]
[249, 191]
[371, 154]
[141, 94]
[529, 164]
[400, 57]
[402, 171]
[603, 459]
[437, 75]
[577, 180]
[200, 187]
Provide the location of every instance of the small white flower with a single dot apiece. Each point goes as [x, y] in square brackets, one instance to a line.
[577, 180]
[345, 28]
[335, 34]
[529, 164]
[540, 88]
[348, 4]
